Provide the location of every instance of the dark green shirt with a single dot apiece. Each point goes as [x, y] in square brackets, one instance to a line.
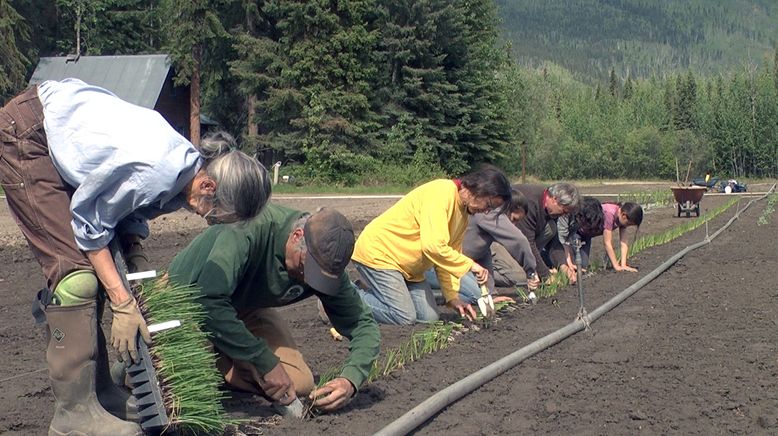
[241, 267]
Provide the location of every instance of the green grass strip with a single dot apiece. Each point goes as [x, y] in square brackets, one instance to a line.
[183, 358]
[768, 210]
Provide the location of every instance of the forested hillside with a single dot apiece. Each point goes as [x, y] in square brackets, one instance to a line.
[400, 91]
[641, 37]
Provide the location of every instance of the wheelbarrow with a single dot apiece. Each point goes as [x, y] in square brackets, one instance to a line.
[688, 199]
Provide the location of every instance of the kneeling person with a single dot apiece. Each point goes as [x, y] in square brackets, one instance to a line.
[278, 258]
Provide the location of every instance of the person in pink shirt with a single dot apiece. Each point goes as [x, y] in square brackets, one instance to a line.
[586, 225]
[620, 216]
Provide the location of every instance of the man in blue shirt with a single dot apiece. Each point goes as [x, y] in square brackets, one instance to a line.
[79, 167]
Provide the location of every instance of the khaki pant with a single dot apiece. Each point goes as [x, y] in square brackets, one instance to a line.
[38, 198]
[505, 270]
[270, 326]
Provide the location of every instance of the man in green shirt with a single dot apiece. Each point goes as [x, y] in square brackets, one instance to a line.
[278, 258]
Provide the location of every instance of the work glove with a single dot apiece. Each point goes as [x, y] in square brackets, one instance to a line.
[127, 320]
[136, 258]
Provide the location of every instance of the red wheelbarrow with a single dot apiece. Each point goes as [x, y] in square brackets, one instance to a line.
[688, 199]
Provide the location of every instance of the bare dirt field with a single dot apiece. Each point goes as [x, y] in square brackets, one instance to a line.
[694, 352]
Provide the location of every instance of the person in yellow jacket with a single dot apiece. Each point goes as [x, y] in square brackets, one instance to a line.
[425, 229]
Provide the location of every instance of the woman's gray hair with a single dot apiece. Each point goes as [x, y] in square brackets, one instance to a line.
[566, 194]
[242, 183]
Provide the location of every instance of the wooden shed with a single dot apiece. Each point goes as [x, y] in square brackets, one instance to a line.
[144, 80]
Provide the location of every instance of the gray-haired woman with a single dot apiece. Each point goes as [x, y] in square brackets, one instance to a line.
[79, 167]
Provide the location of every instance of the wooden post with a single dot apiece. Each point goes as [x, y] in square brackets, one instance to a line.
[194, 97]
[523, 162]
[253, 129]
[688, 170]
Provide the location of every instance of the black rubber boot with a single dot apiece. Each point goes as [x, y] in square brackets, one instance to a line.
[114, 398]
[117, 400]
[72, 357]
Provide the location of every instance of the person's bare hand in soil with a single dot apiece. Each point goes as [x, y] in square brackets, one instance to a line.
[277, 385]
[465, 310]
[533, 282]
[570, 273]
[553, 277]
[333, 395]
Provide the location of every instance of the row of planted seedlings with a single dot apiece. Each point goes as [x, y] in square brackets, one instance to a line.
[438, 335]
[648, 199]
[433, 337]
[185, 363]
[560, 281]
[768, 210]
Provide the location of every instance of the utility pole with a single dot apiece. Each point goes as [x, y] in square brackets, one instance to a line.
[524, 162]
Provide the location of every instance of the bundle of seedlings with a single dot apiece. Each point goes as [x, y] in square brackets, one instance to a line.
[183, 359]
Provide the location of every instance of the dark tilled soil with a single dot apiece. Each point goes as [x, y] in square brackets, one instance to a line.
[694, 352]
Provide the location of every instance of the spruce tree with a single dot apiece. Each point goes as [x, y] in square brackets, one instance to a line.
[686, 89]
[420, 37]
[679, 109]
[255, 69]
[670, 101]
[77, 22]
[189, 26]
[330, 62]
[775, 68]
[126, 27]
[613, 83]
[442, 59]
[307, 68]
[483, 127]
[629, 88]
[14, 32]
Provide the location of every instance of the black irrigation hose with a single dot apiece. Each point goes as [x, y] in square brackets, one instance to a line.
[434, 404]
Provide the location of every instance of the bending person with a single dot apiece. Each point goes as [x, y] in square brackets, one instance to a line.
[483, 230]
[80, 167]
[545, 205]
[425, 229]
[620, 216]
[582, 226]
[601, 219]
[279, 258]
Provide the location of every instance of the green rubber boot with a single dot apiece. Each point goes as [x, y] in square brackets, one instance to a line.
[81, 287]
[116, 399]
[72, 355]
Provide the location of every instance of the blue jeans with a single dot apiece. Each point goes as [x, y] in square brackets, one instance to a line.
[395, 300]
[469, 291]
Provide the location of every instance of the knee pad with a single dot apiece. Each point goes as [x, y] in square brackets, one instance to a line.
[78, 287]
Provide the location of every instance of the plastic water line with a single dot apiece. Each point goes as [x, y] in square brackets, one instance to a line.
[441, 399]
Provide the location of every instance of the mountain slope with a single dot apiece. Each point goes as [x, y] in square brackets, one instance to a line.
[643, 37]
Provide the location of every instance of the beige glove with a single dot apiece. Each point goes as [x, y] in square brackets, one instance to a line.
[127, 320]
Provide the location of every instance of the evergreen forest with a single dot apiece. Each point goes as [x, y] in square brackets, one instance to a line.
[398, 91]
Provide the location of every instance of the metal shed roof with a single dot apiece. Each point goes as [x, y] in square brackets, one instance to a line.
[136, 79]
